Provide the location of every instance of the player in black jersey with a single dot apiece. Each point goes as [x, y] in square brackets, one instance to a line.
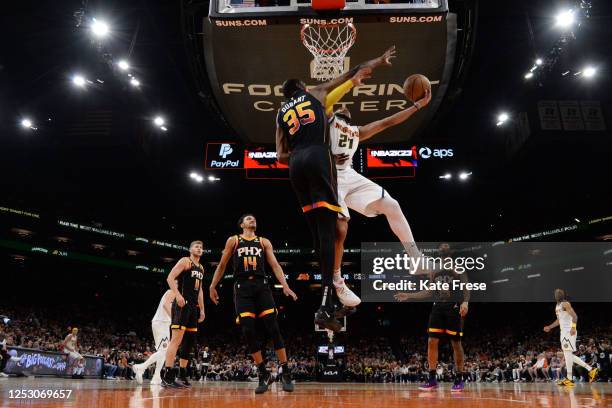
[302, 133]
[185, 280]
[253, 297]
[445, 320]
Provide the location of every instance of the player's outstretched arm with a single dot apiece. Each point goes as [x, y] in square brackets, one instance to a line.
[225, 257]
[551, 326]
[371, 129]
[201, 304]
[276, 268]
[422, 294]
[320, 91]
[180, 266]
[282, 147]
[384, 59]
[338, 92]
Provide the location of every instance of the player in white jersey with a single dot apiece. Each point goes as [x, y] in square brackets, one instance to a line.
[161, 334]
[566, 320]
[358, 192]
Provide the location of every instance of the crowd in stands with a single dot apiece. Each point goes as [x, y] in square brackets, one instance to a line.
[505, 356]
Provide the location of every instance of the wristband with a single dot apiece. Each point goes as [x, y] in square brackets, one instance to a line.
[573, 325]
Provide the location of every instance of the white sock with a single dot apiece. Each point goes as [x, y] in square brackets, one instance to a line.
[581, 363]
[153, 358]
[159, 364]
[569, 362]
[337, 276]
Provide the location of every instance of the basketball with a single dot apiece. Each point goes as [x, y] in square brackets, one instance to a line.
[415, 87]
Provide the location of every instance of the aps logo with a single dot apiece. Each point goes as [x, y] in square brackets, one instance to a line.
[426, 153]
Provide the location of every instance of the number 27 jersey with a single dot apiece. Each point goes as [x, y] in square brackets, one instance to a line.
[344, 139]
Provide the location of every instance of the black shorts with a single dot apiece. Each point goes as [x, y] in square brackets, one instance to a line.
[186, 317]
[253, 298]
[445, 320]
[312, 171]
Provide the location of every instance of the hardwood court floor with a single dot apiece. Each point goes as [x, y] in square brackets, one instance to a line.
[107, 394]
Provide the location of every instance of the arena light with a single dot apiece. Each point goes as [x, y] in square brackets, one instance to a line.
[446, 176]
[589, 72]
[196, 177]
[159, 121]
[79, 80]
[529, 75]
[99, 28]
[134, 82]
[123, 65]
[565, 19]
[26, 123]
[213, 178]
[502, 118]
[464, 175]
[539, 61]
[165, 129]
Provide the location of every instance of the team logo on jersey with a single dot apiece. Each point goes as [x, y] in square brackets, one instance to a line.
[197, 274]
[249, 251]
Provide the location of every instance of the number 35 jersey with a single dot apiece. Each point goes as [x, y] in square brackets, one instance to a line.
[344, 139]
[304, 121]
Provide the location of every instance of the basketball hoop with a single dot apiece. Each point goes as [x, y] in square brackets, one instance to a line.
[328, 43]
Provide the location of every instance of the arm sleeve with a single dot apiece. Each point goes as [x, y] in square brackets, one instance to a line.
[334, 96]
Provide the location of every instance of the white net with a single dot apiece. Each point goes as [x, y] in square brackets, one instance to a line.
[328, 44]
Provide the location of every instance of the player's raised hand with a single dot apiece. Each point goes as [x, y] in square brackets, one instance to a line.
[385, 59]
[202, 316]
[214, 296]
[288, 292]
[463, 309]
[180, 300]
[424, 101]
[361, 75]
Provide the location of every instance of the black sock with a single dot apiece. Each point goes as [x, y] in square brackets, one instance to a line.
[182, 372]
[432, 374]
[285, 367]
[328, 293]
[169, 374]
[262, 367]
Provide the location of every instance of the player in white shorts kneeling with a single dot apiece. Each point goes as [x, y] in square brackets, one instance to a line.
[161, 334]
[358, 192]
[566, 320]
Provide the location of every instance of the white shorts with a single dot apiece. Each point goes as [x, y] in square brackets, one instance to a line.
[357, 192]
[73, 355]
[568, 342]
[161, 334]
